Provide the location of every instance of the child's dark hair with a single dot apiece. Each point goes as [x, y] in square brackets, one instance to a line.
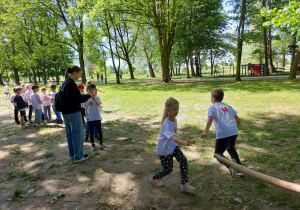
[71, 70]
[18, 89]
[53, 86]
[91, 86]
[168, 103]
[15, 90]
[218, 94]
[34, 87]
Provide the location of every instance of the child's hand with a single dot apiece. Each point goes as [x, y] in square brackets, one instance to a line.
[87, 119]
[190, 142]
[203, 135]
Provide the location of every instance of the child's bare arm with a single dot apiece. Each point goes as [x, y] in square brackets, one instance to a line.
[208, 124]
[237, 120]
[100, 90]
[97, 102]
[40, 101]
[186, 143]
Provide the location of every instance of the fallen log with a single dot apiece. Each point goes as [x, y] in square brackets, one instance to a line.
[265, 178]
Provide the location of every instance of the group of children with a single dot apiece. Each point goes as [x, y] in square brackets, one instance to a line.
[225, 119]
[27, 97]
[226, 123]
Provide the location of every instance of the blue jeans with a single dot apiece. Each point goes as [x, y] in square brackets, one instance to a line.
[58, 116]
[75, 134]
[87, 130]
[38, 116]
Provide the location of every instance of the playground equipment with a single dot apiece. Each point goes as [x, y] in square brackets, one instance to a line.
[265, 178]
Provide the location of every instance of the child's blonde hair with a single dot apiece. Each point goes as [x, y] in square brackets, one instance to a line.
[168, 103]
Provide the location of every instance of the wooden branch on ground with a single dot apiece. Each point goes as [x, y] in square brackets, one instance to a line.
[265, 178]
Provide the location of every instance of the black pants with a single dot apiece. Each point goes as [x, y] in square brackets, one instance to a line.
[227, 144]
[16, 113]
[30, 112]
[167, 164]
[95, 124]
[83, 115]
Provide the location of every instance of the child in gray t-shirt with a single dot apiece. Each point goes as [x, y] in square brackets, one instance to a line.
[36, 104]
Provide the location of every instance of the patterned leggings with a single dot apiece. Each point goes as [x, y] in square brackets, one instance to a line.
[167, 164]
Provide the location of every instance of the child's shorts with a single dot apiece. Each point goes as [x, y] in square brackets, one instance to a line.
[6, 93]
[22, 113]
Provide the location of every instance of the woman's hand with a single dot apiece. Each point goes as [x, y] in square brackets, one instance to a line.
[190, 142]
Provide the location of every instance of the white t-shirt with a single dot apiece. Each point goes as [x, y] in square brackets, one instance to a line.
[27, 96]
[46, 102]
[6, 88]
[53, 96]
[34, 97]
[224, 120]
[93, 109]
[12, 99]
[165, 143]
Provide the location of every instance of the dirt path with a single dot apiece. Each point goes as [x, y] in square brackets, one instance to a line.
[114, 178]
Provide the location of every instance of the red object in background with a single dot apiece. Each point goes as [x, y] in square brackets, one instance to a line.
[255, 69]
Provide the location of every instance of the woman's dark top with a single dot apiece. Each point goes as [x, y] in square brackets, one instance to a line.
[72, 98]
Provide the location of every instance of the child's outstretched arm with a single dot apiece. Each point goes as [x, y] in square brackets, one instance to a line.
[100, 90]
[208, 124]
[186, 143]
[237, 120]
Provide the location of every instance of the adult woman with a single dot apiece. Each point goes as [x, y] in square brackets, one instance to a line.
[71, 111]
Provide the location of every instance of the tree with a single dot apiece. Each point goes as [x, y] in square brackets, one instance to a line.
[288, 17]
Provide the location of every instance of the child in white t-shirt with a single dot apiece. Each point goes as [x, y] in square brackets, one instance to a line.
[36, 104]
[167, 148]
[28, 101]
[6, 91]
[93, 116]
[226, 123]
[46, 104]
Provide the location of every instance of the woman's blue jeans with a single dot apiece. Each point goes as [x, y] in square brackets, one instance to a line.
[75, 134]
[58, 116]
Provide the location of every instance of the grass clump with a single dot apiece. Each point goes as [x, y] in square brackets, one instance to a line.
[17, 193]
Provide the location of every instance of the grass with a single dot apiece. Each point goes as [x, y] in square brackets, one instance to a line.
[17, 193]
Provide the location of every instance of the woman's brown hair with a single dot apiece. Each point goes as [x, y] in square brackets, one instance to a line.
[71, 70]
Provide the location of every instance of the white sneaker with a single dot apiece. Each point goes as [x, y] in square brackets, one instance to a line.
[156, 182]
[83, 158]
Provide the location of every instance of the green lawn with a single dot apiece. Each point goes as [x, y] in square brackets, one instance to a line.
[269, 135]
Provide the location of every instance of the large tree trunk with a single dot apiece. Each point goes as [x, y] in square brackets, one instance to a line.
[270, 51]
[265, 42]
[56, 73]
[29, 76]
[192, 65]
[211, 63]
[34, 76]
[1, 81]
[16, 75]
[283, 60]
[165, 68]
[294, 66]
[197, 64]
[130, 68]
[187, 67]
[240, 41]
[81, 61]
[293, 47]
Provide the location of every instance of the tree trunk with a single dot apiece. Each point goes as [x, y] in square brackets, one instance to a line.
[56, 73]
[265, 42]
[187, 67]
[192, 65]
[29, 76]
[283, 60]
[130, 68]
[98, 76]
[81, 61]
[16, 75]
[1, 81]
[211, 63]
[165, 68]
[293, 49]
[270, 51]
[149, 63]
[34, 76]
[240, 41]
[294, 66]
[197, 64]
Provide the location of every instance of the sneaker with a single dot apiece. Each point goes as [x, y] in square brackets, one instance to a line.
[23, 126]
[93, 148]
[240, 174]
[156, 182]
[86, 138]
[232, 172]
[187, 188]
[101, 146]
[82, 159]
[59, 122]
[37, 125]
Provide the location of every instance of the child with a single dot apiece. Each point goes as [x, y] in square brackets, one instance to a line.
[81, 89]
[37, 105]
[88, 83]
[46, 104]
[167, 148]
[28, 101]
[93, 116]
[16, 112]
[6, 91]
[58, 115]
[21, 105]
[226, 123]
